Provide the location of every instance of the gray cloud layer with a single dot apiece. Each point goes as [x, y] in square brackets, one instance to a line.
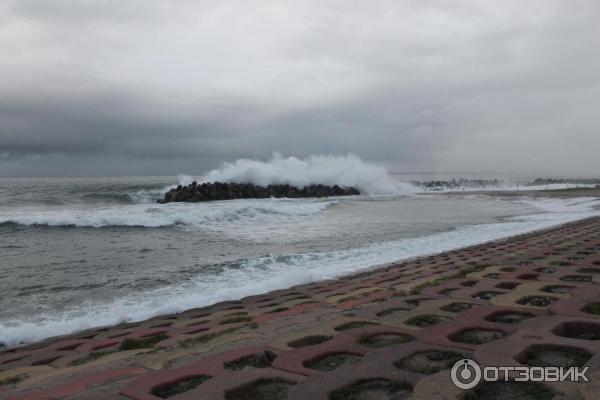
[107, 87]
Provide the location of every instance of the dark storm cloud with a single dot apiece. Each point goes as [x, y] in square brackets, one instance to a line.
[112, 122]
[107, 87]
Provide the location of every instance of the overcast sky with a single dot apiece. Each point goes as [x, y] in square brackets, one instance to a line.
[160, 87]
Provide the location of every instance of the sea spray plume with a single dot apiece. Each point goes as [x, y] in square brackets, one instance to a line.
[329, 170]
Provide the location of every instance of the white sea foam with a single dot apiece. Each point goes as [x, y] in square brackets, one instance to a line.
[347, 170]
[209, 214]
[258, 275]
[563, 205]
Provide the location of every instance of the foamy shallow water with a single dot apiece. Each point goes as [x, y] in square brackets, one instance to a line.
[105, 253]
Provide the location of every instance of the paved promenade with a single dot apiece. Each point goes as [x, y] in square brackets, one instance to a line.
[391, 333]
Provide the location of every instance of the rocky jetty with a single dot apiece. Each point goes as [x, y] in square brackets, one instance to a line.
[228, 191]
[568, 181]
[455, 184]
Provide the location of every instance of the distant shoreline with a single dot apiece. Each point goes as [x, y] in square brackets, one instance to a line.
[552, 193]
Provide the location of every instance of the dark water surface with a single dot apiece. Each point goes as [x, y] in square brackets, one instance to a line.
[82, 252]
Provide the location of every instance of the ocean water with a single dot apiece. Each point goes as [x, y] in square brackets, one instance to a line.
[77, 253]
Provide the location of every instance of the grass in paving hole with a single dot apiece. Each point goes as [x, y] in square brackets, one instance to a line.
[592, 308]
[478, 336]
[510, 317]
[142, 343]
[372, 388]
[333, 361]
[555, 356]
[391, 311]
[13, 380]
[429, 362]
[263, 389]
[384, 339]
[236, 320]
[206, 338]
[537, 301]
[309, 341]
[91, 357]
[279, 309]
[353, 325]
[181, 386]
[457, 307]
[259, 360]
[426, 320]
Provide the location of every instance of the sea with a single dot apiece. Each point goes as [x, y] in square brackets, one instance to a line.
[77, 253]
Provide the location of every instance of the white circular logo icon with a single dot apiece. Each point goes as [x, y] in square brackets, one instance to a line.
[465, 374]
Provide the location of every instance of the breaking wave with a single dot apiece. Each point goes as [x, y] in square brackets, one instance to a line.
[201, 215]
[262, 274]
[349, 170]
